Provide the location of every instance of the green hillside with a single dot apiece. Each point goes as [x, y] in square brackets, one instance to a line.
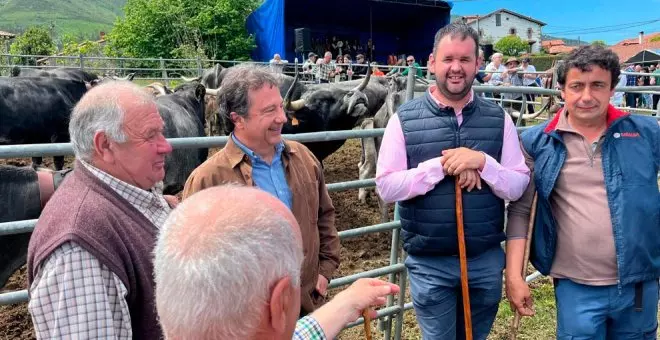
[82, 18]
[568, 42]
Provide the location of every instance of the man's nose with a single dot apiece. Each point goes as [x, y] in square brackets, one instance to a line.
[164, 147]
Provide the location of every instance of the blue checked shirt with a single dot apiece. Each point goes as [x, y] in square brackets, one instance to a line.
[269, 177]
[308, 328]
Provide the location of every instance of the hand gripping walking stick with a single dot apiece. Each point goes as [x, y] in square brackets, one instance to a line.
[463, 260]
[515, 324]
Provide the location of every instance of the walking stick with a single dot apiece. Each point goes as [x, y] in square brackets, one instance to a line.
[515, 324]
[463, 260]
[367, 323]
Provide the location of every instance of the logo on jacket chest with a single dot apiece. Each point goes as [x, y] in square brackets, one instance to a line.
[625, 134]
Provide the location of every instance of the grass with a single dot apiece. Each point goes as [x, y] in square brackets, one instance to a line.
[78, 17]
[540, 327]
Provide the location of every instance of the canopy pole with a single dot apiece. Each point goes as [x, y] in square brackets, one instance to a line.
[371, 33]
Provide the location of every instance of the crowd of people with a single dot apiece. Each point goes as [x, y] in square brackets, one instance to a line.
[639, 100]
[252, 247]
[340, 46]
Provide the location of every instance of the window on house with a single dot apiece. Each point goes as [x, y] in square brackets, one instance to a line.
[512, 31]
[498, 19]
[530, 33]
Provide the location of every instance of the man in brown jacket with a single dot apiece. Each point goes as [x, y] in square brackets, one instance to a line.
[250, 105]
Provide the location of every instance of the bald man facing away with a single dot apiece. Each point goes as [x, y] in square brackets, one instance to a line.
[228, 264]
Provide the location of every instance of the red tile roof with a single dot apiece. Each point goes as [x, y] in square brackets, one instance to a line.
[560, 49]
[627, 48]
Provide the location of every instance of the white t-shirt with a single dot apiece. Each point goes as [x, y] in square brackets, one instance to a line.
[277, 66]
[527, 81]
[496, 78]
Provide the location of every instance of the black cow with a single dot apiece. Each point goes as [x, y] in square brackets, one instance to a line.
[37, 110]
[327, 108]
[20, 199]
[210, 78]
[183, 114]
[66, 73]
[376, 91]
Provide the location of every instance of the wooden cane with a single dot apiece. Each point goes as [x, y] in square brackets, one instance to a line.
[367, 323]
[463, 260]
[515, 324]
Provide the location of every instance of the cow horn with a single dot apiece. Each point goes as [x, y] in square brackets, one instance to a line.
[516, 114]
[287, 96]
[158, 87]
[364, 83]
[213, 92]
[129, 77]
[186, 79]
[296, 105]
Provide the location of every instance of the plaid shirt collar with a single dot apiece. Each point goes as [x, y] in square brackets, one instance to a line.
[150, 202]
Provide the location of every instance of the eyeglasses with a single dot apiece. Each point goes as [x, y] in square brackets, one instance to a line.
[410, 60]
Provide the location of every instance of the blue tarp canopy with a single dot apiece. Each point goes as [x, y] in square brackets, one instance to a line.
[395, 26]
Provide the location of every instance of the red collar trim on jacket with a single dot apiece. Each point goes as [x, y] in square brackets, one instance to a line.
[612, 115]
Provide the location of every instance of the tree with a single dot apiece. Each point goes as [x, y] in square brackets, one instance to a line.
[72, 46]
[183, 28]
[511, 45]
[36, 40]
[599, 43]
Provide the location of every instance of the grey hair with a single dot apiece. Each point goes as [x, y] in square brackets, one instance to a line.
[233, 93]
[217, 284]
[101, 110]
[457, 30]
[495, 55]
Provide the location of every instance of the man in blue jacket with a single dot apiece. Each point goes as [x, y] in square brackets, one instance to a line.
[597, 224]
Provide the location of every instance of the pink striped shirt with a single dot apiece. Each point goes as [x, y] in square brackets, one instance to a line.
[395, 182]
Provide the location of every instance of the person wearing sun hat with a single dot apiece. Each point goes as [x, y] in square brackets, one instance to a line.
[512, 78]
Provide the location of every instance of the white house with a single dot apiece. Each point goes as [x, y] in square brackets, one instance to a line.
[503, 22]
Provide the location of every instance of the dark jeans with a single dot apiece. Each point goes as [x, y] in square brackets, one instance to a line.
[631, 99]
[656, 98]
[602, 312]
[530, 99]
[435, 287]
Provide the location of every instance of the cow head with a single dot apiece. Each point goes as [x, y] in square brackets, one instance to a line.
[194, 93]
[331, 101]
[158, 89]
[211, 78]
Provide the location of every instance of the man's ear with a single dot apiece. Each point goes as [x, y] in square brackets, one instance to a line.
[281, 300]
[102, 147]
[236, 119]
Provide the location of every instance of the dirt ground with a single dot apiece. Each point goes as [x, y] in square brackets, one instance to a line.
[357, 254]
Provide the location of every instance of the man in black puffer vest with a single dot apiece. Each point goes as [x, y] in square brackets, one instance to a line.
[446, 135]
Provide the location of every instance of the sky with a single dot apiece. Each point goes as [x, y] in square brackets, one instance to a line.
[607, 20]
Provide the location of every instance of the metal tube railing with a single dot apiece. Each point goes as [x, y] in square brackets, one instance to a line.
[382, 271]
[396, 266]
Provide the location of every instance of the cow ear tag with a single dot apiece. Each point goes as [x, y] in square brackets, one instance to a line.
[294, 121]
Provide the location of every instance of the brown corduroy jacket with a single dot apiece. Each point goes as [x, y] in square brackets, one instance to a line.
[312, 206]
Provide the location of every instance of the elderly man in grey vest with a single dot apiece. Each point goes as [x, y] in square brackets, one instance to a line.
[449, 135]
[90, 272]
